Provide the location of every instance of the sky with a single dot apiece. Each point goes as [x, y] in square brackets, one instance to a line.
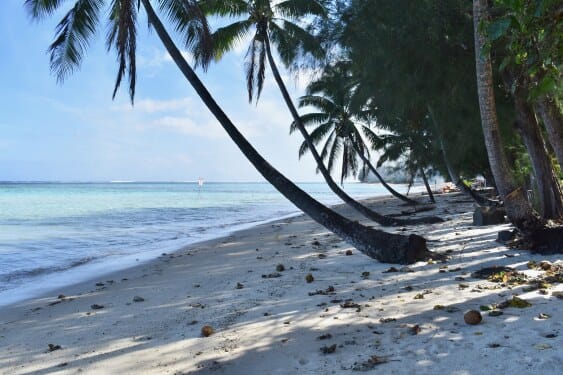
[74, 131]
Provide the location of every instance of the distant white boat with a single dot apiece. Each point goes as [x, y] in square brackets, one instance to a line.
[200, 182]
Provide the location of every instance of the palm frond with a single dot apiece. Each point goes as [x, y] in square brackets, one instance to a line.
[321, 103]
[39, 9]
[292, 41]
[294, 9]
[255, 67]
[189, 20]
[73, 34]
[309, 119]
[122, 36]
[225, 8]
[226, 38]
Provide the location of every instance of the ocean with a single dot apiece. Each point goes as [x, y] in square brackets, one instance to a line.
[55, 234]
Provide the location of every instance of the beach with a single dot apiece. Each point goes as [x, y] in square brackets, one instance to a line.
[287, 297]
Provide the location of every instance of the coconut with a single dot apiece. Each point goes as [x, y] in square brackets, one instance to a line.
[472, 317]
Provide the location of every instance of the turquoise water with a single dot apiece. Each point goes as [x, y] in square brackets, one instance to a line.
[52, 234]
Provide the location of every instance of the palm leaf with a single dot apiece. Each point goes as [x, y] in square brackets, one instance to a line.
[190, 21]
[226, 38]
[222, 8]
[73, 33]
[309, 119]
[42, 8]
[122, 36]
[294, 9]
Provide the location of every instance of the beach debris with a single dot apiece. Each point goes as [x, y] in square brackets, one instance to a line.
[328, 349]
[391, 269]
[462, 286]
[197, 305]
[558, 294]
[505, 236]
[327, 291]
[96, 306]
[193, 322]
[207, 331]
[100, 284]
[485, 308]
[365, 275]
[387, 320]
[543, 316]
[439, 307]
[493, 345]
[271, 275]
[373, 361]
[53, 347]
[239, 286]
[316, 243]
[280, 268]
[349, 252]
[459, 278]
[408, 288]
[63, 364]
[514, 302]
[415, 330]
[472, 317]
[325, 336]
[138, 299]
[542, 346]
[550, 335]
[349, 304]
[495, 313]
[61, 296]
[322, 256]
[309, 278]
[419, 296]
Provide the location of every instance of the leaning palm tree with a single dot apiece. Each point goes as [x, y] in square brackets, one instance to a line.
[341, 124]
[78, 26]
[269, 22]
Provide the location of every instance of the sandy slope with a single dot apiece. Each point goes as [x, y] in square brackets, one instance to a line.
[273, 325]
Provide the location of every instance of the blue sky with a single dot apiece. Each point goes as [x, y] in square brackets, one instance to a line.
[75, 132]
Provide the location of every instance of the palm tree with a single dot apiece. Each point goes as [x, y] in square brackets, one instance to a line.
[77, 28]
[270, 22]
[517, 207]
[333, 96]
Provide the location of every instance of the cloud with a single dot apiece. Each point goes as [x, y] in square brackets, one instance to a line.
[188, 126]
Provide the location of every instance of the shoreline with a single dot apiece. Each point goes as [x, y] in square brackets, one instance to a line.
[148, 318]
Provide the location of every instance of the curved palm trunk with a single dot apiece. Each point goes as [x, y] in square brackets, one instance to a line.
[386, 247]
[553, 120]
[427, 185]
[393, 192]
[517, 207]
[454, 176]
[550, 196]
[367, 212]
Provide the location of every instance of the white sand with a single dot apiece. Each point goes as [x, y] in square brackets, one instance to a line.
[272, 325]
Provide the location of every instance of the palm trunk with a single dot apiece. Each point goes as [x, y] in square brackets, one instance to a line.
[386, 247]
[553, 120]
[454, 176]
[550, 196]
[428, 189]
[393, 192]
[517, 207]
[365, 211]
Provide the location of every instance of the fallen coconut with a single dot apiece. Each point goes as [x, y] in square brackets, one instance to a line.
[207, 331]
[473, 317]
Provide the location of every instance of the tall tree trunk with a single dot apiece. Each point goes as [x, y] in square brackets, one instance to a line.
[454, 176]
[552, 118]
[386, 247]
[428, 189]
[550, 196]
[517, 207]
[367, 212]
[393, 192]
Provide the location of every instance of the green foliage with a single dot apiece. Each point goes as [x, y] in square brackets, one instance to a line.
[264, 21]
[529, 36]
